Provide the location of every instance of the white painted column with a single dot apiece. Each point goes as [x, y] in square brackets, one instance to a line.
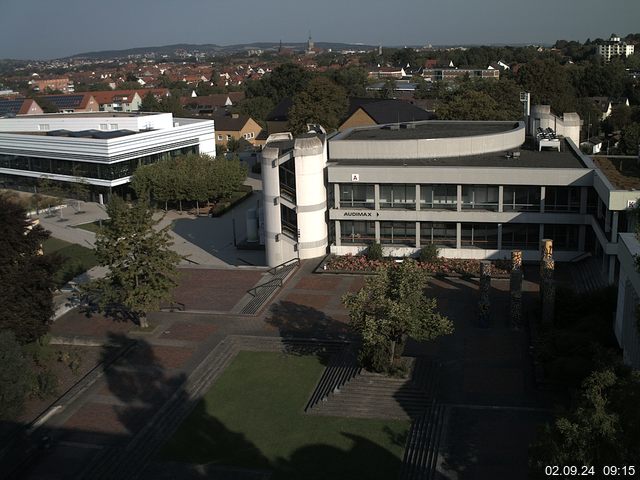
[459, 199]
[500, 200]
[271, 205]
[543, 192]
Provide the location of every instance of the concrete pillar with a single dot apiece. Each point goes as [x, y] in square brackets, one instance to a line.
[417, 196]
[547, 281]
[582, 235]
[338, 230]
[515, 290]
[543, 192]
[378, 232]
[459, 198]
[376, 196]
[458, 235]
[501, 198]
[418, 235]
[499, 236]
[622, 292]
[336, 195]
[540, 233]
[271, 205]
[614, 227]
[612, 269]
[584, 193]
[484, 303]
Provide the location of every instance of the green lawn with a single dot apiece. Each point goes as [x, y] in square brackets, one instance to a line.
[75, 259]
[91, 227]
[252, 417]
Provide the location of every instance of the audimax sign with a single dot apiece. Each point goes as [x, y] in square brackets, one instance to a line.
[360, 214]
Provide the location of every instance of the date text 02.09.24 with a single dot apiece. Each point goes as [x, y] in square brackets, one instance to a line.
[568, 471]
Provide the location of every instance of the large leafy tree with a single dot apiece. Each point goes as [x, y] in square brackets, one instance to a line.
[26, 276]
[142, 266]
[602, 428]
[630, 140]
[322, 102]
[390, 307]
[549, 84]
[16, 379]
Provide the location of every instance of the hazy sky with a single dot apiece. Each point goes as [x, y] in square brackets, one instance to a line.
[50, 29]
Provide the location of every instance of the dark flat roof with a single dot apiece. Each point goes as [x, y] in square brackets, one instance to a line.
[529, 158]
[434, 129]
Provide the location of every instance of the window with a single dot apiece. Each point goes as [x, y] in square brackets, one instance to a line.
[103, 126]
[289, 220]
[522, 236]
[482, 197]
[113, 126]
[220, 137]
[357, 233]
[43, 127]
[440, 197]
[480, 235]
[400, 196]
[562, 199]
[356, 195]
[398, 233]
[565, 237]
[521, 199]
[440, 234]
[287, 172]
[228, 137]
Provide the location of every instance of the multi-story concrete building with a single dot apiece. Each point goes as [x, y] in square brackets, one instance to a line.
[101, 149]
[614, 47]
[474, 189]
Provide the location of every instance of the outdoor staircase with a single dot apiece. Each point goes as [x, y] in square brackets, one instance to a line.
[372, 395]
[263, 292]
[421, 452]
[587, 275]
[341, 369]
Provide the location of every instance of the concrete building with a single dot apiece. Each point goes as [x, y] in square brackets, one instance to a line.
[62, 84]
[73, 103]
[100, 149]
[614, 47]
[19, 106]
[476, 190]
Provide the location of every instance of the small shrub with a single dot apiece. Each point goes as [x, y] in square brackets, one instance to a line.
[374, 357]
[374, 252]
[46, 384]
[429, 253]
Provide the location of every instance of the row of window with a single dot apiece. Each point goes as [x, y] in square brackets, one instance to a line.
[473, 235]
[76, 168]
[246, 136]
[445, 197]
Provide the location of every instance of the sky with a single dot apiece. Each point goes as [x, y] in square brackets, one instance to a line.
[53, 29]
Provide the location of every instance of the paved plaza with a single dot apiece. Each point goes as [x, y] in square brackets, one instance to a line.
[486, 378]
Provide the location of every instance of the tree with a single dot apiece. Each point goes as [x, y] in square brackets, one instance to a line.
[602, 428]
[390, 307]
[549, 84]
[16, 379]
[142, 266]
[26, 278]
[257, 108]
[630, 140]
[353, 79]
[322, 102]
[471, 105]
[149, 103]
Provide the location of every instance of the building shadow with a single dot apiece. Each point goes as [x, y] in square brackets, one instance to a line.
[294, 320]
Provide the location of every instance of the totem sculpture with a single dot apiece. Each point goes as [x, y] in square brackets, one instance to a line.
[485, 285]
[515, 288]
[547, 282]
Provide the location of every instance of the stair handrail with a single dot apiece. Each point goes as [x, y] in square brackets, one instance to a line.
[283, 265]
[254, 291]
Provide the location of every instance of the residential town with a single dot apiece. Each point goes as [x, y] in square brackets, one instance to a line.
[322, 260]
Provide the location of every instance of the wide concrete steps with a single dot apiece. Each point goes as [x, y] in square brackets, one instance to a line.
[587, 276]
[263, 292]
[421, 452]
[372, 395]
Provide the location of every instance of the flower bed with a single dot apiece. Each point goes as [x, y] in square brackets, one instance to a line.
[443, 266]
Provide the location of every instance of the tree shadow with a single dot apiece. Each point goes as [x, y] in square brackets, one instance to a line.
[295, 320]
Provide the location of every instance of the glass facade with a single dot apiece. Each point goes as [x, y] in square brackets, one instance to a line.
[480, 235]
[440, 197]
[356, 195]
[398, 233]
[482, 197]
[522, 236]
[562, 199]
[75, 168]
[521, 199]
[287, 172]
[440, 234]
[357, 233]
[400, 196]
[289, 222]
[565, 237]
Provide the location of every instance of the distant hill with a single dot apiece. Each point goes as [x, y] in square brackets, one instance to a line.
[212, 49]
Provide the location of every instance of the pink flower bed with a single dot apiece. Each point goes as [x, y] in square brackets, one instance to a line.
[444, 266]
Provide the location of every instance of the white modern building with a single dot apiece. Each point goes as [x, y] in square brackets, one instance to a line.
[614, 47]
[474, 189]
[103, 149]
